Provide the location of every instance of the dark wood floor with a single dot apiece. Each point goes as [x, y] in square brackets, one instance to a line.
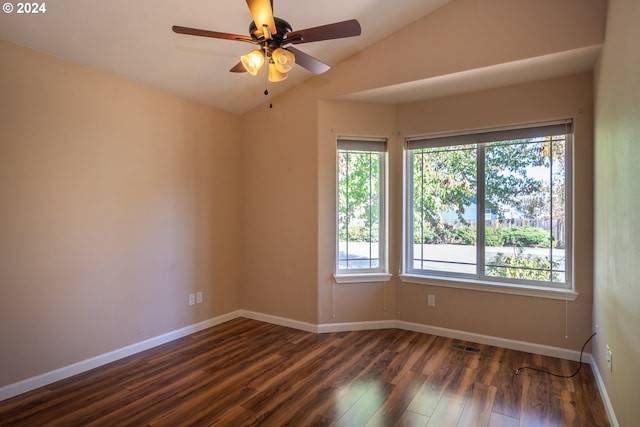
[248, 373]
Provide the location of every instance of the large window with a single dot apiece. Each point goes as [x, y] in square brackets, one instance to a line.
[492, 206]
[361, 212]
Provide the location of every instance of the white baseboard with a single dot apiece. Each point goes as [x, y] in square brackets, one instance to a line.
[281, 321]
[356, 326]
[528, 347]
[544, 350]
[29, 384]
[42, 380]
[603, 392]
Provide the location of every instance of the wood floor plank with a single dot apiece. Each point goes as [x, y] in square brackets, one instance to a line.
[499, 420]
[393, 409]
[247, 373]
[434, 357]
[234, 416]
[534, 410]
[333, 382]
[586, 390]
[428, 396]
[477, 410]
[452, 401]
[363, 409]
[413, 419]
[508, 385]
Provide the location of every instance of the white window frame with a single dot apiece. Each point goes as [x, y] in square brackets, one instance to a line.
[380, 273]
[480, 282]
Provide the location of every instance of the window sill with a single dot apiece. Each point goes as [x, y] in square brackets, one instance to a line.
[502, 288]
[362, 278]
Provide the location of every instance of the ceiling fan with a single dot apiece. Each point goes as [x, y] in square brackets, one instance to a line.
[274, 38]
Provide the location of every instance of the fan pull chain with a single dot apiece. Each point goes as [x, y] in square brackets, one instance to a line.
[266, 87]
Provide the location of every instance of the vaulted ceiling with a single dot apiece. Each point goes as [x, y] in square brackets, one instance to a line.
[134, 40]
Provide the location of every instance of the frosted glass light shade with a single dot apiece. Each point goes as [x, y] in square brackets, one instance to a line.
[283, 59]
[252, 61]
[274, 74]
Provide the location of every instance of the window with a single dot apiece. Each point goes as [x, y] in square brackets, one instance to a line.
[491, 207]
[361, 207]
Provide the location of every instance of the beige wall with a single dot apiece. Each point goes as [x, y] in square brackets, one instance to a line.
[352, 302]
[121, 199]
[530, 319]
[279, 190]
[289, 219]
[617, 204]
[117, 201]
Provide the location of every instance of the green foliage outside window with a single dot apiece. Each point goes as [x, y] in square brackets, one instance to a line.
[519, 266]
[358, 196]
[526, 237]
[519, 237]
[523, 182]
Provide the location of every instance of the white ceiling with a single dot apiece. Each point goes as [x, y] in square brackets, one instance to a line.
[133, 39]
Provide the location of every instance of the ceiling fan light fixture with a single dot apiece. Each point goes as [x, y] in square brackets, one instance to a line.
[272, 38]
[253, 61]
[274, 74]
[283, 59]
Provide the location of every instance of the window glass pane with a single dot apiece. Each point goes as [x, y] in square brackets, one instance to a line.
[491, 210]
[557, 220]
[524, 201]
[359, 209]
[444, 209]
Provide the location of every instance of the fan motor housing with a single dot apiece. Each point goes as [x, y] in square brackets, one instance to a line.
[282, 27]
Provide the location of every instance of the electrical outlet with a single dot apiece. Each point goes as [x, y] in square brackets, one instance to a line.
[199, 297]
[609, 359]
[431, 300]
[192, 299]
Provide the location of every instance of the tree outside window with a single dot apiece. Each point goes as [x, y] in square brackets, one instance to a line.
[490, 206]
[360, 202]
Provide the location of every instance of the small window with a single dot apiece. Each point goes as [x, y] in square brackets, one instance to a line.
[492, 207]
[361, 207]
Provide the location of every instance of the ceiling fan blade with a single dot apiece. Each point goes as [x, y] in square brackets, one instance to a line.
[213, 34]
[262, 14]
[336, 30]
[238, 68]
[309, 62]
